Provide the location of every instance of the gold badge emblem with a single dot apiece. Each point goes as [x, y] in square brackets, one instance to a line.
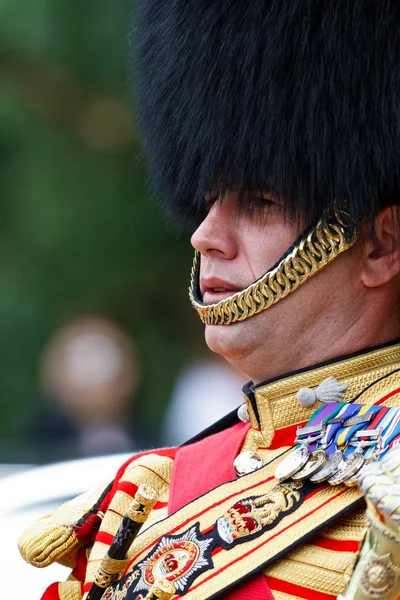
[181, 558]
[379, 575]
[252, 515]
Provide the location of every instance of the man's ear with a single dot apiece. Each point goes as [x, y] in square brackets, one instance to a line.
[382, 255]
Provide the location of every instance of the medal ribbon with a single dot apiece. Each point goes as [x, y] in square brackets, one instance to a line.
[345, 411]
[320, 417]
[345, 434]
[391, 431]
[315, 419]
[379, 413]
[380, 419]
[333, 410]
[395, 443]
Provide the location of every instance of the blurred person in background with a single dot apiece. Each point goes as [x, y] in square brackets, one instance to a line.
[89, 373]
[73, 205]
[273, 129]
[205, 390]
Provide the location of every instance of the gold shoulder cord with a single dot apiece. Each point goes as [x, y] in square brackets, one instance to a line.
[318, 248]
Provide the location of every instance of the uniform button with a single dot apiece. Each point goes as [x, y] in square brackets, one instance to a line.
[243, 413]
[247, 462]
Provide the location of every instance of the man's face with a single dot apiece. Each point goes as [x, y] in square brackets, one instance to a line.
[236, 249]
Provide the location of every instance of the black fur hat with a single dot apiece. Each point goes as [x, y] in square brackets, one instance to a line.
[299, 97]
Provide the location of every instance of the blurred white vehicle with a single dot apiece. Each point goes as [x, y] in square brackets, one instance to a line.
[29, 494]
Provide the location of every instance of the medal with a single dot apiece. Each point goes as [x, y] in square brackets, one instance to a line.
[322, 426]
[298, 457]
[390, 425]
[353, 480]
[386, 421]
[329, 468]
[352, 461]
[351, 435]
[247, 462]
[318, 457]
[347, 468]
[293, 462]
[315, 461]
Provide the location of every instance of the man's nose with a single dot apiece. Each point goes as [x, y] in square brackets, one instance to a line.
[216, 235]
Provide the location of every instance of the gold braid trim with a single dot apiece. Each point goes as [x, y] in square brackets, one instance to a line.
[70, 590]
[283, 596]
[320, 247]
[113, 566]
[48, 541]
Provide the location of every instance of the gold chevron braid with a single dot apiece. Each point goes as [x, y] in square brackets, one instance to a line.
[320, 247]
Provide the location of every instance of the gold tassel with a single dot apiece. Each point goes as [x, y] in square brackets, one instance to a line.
[49, 541]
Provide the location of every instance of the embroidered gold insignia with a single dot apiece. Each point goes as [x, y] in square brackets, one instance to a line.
[182, 558]
[246, 518]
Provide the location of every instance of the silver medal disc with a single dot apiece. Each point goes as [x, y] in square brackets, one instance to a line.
[347, 468]
[329, 468]
[292, 463]
[317, 460]
[353, 480]
[247, 462]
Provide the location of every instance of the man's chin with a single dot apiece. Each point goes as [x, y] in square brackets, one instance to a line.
[227, 340]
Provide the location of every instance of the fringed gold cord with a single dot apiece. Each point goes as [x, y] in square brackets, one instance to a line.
[57, 537]
[49, 541]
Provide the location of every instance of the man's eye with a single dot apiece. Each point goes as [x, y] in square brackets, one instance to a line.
[262, 201]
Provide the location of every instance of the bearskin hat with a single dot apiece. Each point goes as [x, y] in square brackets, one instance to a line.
[297, 97]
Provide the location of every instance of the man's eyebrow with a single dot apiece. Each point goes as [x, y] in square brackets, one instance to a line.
[212, 196]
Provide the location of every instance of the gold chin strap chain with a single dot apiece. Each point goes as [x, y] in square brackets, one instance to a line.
[321, 246]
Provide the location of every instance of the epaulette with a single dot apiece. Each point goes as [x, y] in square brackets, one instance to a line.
[57, 537]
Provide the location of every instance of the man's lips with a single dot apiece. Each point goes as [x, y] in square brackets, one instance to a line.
[214, 289]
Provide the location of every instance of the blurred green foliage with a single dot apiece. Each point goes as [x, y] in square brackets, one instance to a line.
[79, 232]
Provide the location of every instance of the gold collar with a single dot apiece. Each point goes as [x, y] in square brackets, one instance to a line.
[370, 375]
